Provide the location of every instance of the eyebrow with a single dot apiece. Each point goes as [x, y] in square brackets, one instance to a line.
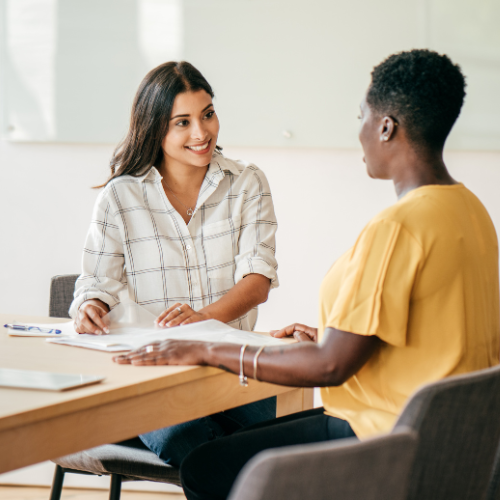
[184, 116]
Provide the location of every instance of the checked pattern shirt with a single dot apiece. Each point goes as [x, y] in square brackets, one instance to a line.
[138, 242]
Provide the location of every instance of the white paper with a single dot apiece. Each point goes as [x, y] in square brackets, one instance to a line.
[131, 326]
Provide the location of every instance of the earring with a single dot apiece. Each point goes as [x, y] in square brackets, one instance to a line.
[386, 138]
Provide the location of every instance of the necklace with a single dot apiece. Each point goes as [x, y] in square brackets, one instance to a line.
[189, 210]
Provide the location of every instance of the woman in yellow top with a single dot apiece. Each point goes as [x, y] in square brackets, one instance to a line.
[414, 300]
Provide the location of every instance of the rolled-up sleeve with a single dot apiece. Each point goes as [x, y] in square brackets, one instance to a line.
[257, 240]
[103, 259]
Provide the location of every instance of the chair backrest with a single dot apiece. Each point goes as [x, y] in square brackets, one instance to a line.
[458, 425]
[494, 486]
[61, 294]
[347, 469]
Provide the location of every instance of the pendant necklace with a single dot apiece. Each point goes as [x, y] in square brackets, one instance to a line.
[189, 210]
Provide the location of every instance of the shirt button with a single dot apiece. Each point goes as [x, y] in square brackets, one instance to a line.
[188, 247]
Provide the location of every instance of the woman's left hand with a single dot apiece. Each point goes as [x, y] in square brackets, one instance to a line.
[167, 352]
[300, 332]
[179, 314]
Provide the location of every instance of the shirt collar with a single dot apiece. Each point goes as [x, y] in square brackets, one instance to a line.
[223, 163]
[218, 166]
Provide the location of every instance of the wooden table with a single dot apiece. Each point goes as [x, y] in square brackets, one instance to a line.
[39, 425]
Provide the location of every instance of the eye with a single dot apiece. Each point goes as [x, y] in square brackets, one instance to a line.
[210, 114]
[182, 123]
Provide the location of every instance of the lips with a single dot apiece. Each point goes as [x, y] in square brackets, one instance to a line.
[200, 148]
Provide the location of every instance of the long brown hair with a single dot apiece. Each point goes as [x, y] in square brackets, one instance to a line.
[151, 110]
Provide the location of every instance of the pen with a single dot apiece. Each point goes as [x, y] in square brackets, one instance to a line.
[26, 328]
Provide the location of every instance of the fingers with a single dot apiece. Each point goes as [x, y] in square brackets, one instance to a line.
[96, 314]
[89, 320]
[175, 316]
[122, 359]
[142, 358]
[302, 336]
[168, 352]
[154, 346]
[165, 313]
[288, 331]
[145, 353]
[194, 318]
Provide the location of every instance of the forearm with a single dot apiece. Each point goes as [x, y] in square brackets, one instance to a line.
[248, 293]
[298, 365]
[332, 362]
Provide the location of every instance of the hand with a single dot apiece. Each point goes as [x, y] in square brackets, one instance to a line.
[301, 333]
[179, 314]
[167, 352]
[89, 317]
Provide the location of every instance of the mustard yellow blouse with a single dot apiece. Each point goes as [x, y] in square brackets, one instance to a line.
[423, 277]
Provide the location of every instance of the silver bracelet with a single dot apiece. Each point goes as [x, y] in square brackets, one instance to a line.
[255, 359]
[243, 379]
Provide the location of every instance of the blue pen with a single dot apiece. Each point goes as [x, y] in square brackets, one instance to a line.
[37, 329]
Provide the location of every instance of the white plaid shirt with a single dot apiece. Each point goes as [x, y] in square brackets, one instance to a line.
[139, 241]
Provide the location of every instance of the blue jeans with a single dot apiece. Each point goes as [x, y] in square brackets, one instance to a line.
[172, 444]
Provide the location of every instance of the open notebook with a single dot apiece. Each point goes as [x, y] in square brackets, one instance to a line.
[131, 327]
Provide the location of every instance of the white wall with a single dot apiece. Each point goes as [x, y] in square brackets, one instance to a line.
[270, 52]
[323, 198]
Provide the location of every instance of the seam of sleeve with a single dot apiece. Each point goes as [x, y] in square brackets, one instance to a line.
[256, 265]
[350, 300]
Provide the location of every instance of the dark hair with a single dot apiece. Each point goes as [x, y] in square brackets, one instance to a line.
[151, 110]
[422, 90]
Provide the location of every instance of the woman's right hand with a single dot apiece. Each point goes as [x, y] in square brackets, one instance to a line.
[301, 333]
[89, 317]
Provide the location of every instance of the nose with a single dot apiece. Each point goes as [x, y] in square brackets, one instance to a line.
[198, 131]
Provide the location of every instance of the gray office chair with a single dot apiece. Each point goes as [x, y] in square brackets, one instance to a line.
[126, 461]
[494, 486]
[375, 469]
[456, 421]
[61, 295]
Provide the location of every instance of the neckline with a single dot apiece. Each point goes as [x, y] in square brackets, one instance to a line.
[458, 185]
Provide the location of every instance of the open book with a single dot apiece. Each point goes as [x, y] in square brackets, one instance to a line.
[131, 327]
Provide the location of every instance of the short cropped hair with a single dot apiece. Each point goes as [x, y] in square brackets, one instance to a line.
[422, 90]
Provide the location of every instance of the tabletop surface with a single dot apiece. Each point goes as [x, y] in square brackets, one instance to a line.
[23, 406]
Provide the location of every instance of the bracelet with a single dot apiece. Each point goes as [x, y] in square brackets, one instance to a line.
[243, 379]
[255, 359]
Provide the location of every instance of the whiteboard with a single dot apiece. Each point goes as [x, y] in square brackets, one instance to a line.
[286, 73]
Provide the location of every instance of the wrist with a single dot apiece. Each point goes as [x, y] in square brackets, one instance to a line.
[207, 353]
[206, 314]
[96, 303]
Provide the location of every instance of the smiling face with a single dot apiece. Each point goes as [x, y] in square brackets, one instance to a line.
[192, 131]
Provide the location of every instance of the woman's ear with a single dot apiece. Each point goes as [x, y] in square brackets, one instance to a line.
[387, 128]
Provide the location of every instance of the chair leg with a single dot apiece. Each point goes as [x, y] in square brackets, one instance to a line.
[57, 483]
[116, 487]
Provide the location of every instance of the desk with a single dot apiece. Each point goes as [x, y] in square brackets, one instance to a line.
[39, 425]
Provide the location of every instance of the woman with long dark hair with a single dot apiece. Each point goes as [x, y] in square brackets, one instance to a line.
[414, 300]
[188, 233]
